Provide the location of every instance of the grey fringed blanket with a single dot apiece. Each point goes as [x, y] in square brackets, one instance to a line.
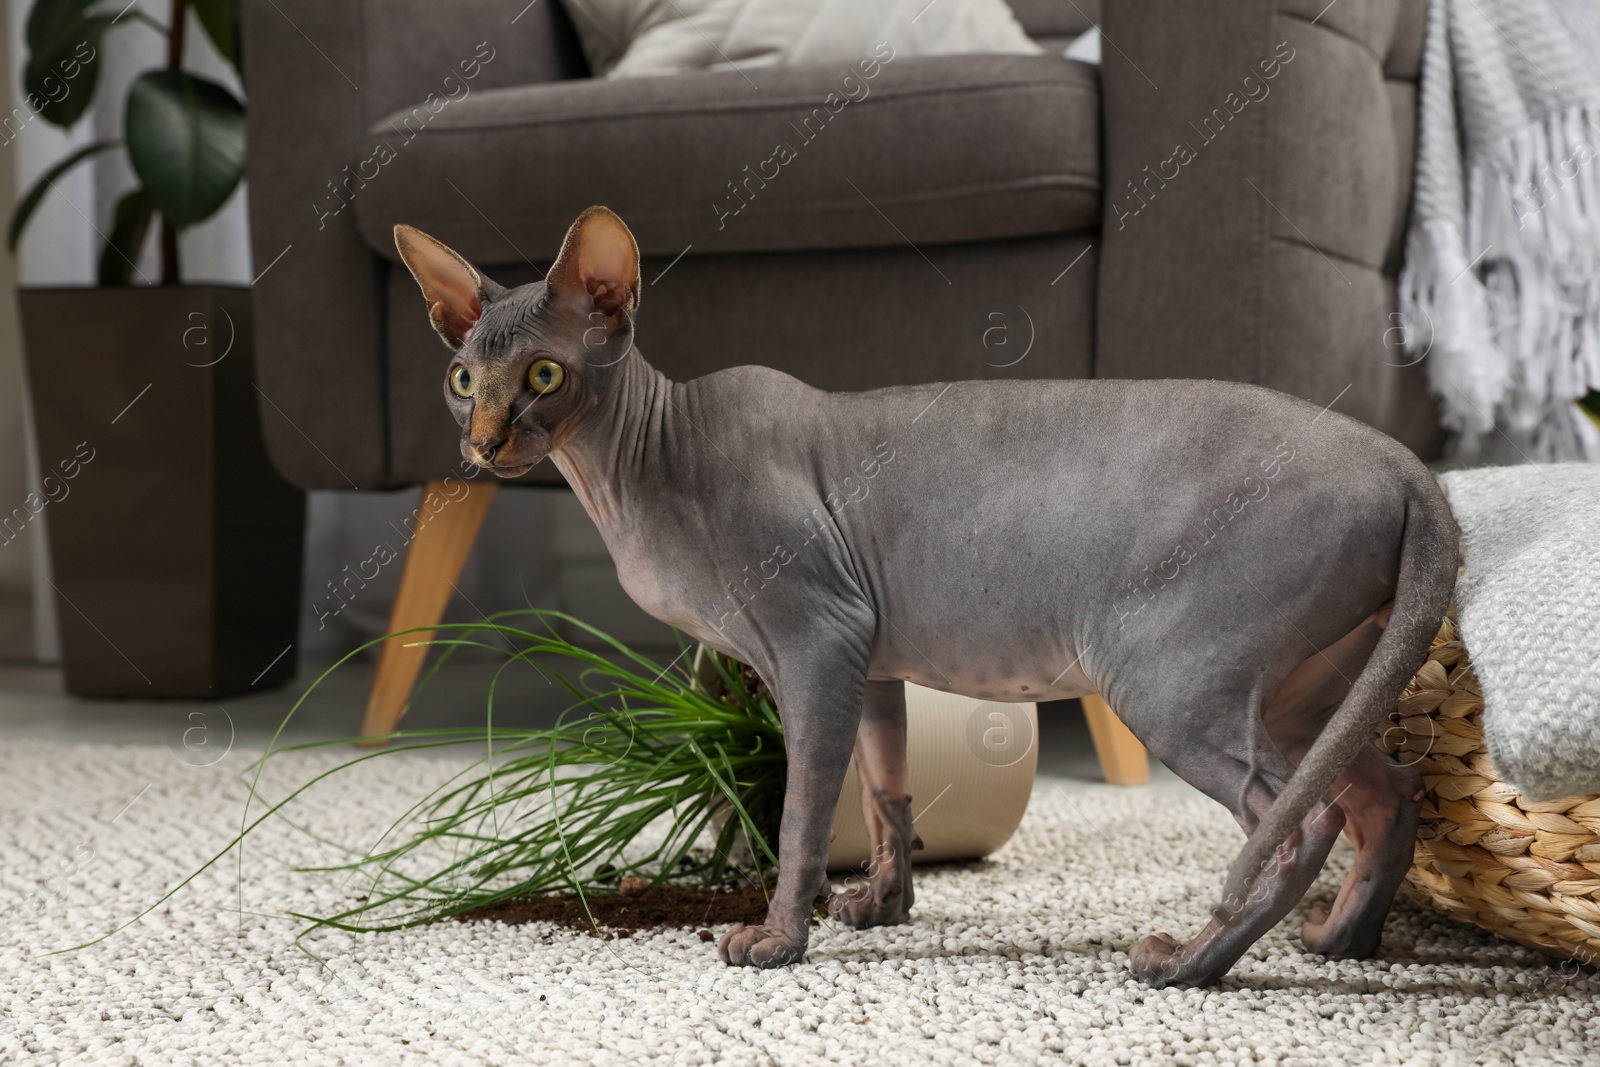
[1502, 274]
[1528, 607]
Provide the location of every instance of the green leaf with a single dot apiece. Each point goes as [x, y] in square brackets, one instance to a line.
[30, 200]
[51, 21]
[186, 141]
[60, 77]
[128, 229]
[221, 21]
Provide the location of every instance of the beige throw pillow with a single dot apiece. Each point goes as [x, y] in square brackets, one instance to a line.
[635, 38]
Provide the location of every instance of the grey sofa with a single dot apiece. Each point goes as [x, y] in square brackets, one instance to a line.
[967, 210]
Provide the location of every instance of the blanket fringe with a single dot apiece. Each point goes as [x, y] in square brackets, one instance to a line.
[1509, 312]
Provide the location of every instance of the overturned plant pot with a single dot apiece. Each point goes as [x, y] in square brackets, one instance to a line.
[970, 766]
[175, 545]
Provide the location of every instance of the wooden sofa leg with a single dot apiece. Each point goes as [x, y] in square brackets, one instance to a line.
[438, 551]
[1122, 758]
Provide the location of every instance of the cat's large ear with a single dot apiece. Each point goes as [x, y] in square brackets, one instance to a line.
[598, 267]
[452, 287]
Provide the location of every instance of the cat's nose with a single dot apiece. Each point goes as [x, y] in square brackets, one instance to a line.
[483, 451]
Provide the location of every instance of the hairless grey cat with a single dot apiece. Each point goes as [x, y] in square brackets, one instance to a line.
[1248, 580]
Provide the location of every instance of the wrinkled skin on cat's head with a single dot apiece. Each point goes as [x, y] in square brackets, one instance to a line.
[529, 362]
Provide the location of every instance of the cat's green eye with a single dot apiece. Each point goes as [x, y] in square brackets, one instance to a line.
[546, 376]
[461, 382]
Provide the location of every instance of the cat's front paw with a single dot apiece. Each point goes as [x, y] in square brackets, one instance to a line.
[760, 946]
[882, 902]
[885, 898]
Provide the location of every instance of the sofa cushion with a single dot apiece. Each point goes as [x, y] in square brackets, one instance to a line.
[926, 150]
[1055, 18]
[634, 38]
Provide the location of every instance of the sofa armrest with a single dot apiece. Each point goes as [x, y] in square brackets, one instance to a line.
[1258, 162]
[317, 74]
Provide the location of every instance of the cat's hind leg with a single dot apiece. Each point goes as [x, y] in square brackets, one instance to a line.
[1381, 799]
[1215, 740]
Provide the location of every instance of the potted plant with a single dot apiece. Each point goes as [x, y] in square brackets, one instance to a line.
[175, 545]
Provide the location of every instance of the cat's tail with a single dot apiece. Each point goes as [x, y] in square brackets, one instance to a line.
[1429, 555]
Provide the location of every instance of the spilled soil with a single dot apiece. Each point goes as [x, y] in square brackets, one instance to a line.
[637, 907]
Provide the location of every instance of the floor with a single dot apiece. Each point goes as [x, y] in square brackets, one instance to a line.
[136, 934]
[1018, 959]
[34, 707]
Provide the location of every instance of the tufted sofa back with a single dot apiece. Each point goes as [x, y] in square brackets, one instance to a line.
[1278, 237]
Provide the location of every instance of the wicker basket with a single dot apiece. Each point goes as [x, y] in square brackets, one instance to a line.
[1527, 871]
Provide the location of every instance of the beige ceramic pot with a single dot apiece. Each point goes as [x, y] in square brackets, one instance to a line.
[971, 765]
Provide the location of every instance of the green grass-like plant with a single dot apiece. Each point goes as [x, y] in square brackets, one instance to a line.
[671, 773]
[673, 757]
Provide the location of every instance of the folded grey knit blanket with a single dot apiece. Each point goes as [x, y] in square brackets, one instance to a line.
[1501, 283]
[1528, 609]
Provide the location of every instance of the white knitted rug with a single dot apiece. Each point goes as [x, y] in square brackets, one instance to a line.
[1017, 960]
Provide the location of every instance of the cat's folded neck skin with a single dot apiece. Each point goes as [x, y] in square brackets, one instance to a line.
[617, 440]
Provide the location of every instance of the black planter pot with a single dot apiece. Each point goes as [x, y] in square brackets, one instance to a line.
[176, 546]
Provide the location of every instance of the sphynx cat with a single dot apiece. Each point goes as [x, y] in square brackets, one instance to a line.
[1248, 580]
